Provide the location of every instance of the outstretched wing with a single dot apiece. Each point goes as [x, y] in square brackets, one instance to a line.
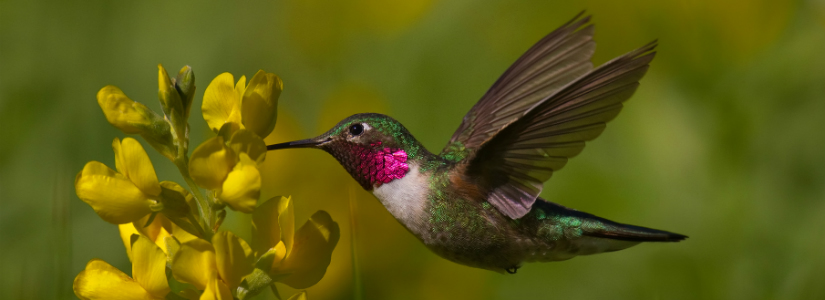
[518, 159]
[553, 62]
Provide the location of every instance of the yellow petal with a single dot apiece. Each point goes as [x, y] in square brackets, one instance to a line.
[259, 106]
[126, 232]
[266, 233]
[98, 168]
[242, 186]
[119, 163]
[182, 235]
[228, 129]
[216, 290]
[129, 116]
[299, 296]
[113, 196]
[153, 231]
[235, 115]
[272, 258]
[101, 280]
[211, 162]
[195, 263]
[312, 251]
[137, 166]
[246, 141]
[156, 232]
[161, 239]
[149, 266]
[219, 101]
[280, 253]
[172, 247]
[240, 86]
[160, 228]
[286, 220]
[233, 257]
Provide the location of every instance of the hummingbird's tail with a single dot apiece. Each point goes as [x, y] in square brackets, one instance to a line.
[631, 233]
[572, 233]
[594, 226]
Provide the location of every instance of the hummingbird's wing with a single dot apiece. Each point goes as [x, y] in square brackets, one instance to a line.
[518, 159]
[553, 62]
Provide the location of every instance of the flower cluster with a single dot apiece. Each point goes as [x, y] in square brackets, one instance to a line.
[172, 235]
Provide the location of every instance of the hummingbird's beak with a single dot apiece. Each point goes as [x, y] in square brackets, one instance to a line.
[307, 143]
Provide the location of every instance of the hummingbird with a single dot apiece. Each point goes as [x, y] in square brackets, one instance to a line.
[477, 202]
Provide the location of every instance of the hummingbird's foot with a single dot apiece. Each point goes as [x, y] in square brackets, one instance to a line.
[512, 270]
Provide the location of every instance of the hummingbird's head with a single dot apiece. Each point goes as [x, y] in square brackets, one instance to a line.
[374, 148]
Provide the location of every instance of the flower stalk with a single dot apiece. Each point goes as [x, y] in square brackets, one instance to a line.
[204, 207]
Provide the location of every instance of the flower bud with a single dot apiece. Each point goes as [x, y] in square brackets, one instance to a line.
[185, 84]
[135, 118]
[129, 116]
[171, 103]
[168, 94]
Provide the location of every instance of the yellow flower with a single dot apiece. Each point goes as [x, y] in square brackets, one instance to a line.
[245, 141]
[135, 118]
[241, 114]
[123, 196]
[230, 169]
[216, 268]
[253, 106]
[242, 186]
[101, 280]
[133, 191]
[129, 116]
[211, 162]
[298, 259]
[160, 228]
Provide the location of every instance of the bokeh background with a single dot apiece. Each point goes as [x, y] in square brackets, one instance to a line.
[723, 142]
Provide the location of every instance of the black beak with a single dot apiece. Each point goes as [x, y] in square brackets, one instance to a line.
[307, 143]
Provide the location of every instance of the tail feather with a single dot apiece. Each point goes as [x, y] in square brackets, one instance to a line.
[594, 226]
[624, 232]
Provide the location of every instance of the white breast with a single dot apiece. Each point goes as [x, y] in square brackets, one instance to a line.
[405, 198]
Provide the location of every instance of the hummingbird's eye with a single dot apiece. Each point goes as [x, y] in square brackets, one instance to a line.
[356, 129]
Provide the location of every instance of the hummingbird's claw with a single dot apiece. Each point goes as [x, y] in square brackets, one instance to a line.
[512, 270]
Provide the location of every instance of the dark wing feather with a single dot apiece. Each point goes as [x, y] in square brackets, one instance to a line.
[553, 62]
[521, 157]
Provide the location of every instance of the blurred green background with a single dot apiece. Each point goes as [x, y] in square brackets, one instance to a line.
[723, 141]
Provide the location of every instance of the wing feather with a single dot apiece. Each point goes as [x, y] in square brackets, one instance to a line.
[516, 160]
[553, 62]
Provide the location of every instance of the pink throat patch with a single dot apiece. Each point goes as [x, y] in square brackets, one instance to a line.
[381, 166]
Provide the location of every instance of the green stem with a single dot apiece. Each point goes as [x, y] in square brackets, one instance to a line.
[198, 226]
[358, 290]
[206, 212]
